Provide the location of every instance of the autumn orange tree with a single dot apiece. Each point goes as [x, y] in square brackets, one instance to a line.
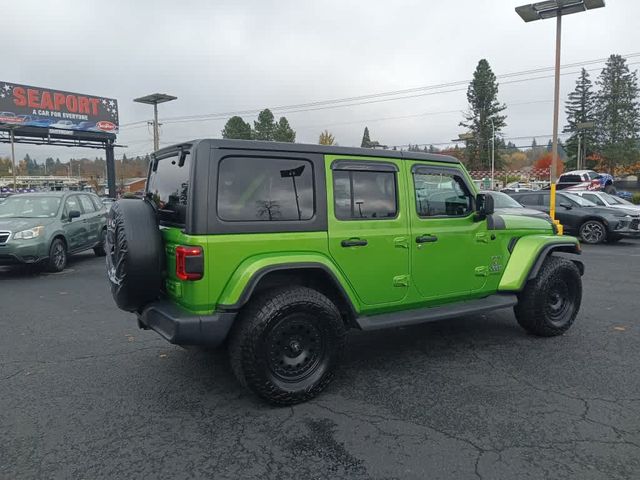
[544, 161]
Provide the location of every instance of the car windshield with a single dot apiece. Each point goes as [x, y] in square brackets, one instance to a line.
[502, 200]
[583, 202]
[29, 207]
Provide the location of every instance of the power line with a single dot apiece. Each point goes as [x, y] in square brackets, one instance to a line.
[375, 97]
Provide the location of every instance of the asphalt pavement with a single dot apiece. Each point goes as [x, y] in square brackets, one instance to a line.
[84, 394]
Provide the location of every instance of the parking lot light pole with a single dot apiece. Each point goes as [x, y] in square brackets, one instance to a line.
[154, 99]
[542, 11]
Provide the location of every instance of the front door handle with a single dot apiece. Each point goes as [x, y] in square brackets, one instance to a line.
[354, 242]
[426, 239]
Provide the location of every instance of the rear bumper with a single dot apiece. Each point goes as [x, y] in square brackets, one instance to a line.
[180, 327]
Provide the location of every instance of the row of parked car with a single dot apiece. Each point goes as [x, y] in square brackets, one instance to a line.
[593, 216]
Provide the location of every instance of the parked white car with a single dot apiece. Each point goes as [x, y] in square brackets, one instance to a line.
[606, 200]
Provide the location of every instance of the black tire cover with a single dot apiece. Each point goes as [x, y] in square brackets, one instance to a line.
[134, 254]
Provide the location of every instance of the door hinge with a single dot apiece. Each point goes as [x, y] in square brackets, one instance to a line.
[401, 281]
[482, 271]
[482, 237]
[401, 242]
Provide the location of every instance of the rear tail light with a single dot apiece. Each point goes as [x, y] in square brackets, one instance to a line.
[189, 263]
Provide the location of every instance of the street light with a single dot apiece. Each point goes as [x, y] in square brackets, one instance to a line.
[154, 99]
[542, 11]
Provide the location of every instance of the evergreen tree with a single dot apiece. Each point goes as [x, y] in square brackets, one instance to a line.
[283, 131]
[237, 128]
[366, 141]
[580, 108]
[484, 108]
[617, 113]
[264, 127]
[326, 138]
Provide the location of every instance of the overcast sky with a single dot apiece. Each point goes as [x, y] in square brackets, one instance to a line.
[222, 56]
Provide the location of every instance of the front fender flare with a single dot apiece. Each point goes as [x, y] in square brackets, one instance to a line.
[528, 256]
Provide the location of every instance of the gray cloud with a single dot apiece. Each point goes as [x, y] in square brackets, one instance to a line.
[219, 56]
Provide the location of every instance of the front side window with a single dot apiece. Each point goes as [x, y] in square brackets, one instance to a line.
[72, 203]
[252, 189]
[168, 187]
[441, 193]
[362, 195]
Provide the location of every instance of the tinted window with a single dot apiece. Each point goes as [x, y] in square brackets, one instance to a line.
[364, 195]
[531, 199]
[441, 194]
[87, 204]
[169, 188]
[570, 179]
[265, 189]
[594, 198]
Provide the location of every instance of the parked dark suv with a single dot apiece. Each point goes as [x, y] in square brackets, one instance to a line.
[581, 217]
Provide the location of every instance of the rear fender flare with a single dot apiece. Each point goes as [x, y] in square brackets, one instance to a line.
[247, 276]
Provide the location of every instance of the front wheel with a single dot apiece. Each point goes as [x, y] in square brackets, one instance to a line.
[287, 344]
[57, 256]
[593, 231]
[549, 303]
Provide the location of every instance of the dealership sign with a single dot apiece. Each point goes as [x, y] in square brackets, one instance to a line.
[56, 110]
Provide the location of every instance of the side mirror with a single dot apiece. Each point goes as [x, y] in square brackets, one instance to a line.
[73, 214]
[484, 206]
[566, 205]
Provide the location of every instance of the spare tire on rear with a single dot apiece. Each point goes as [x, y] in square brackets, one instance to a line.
[134, 254]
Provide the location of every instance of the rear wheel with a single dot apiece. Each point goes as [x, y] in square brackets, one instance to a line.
[57, 256]
[287, 344]
[593, 231]
[549, 303]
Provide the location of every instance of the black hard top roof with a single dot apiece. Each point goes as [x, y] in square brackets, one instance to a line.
[310, 148]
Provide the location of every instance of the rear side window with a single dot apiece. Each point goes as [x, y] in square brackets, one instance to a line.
[168, 187]
[532, 199]
[570, 179]
[253, 189]
[87, 204]
[362, 195]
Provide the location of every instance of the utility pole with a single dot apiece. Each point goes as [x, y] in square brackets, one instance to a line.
[578, 157]
[154, 99]
[13, 160]
[493, 153]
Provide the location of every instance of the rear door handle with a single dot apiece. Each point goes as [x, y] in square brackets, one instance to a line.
[354, 242]
[426, 239]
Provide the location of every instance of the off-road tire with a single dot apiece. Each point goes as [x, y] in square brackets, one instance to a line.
[301, 320]
[135, 254]
[99, 249]
[593, 232]
[57, 260]
[549, 303]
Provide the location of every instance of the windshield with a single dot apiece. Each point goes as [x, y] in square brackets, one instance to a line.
[502, 200]
[583, 202]
[29, 207]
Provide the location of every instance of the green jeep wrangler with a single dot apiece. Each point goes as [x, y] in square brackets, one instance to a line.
[275, 250]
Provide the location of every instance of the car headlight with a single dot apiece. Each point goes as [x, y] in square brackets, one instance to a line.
[28, 234]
